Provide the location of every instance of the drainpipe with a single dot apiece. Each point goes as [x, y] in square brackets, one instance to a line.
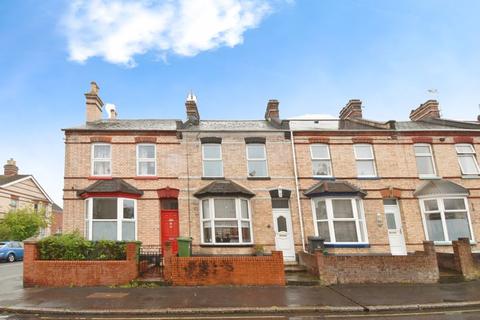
[297, 189]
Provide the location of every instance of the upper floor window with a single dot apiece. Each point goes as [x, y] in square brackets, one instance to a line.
[14, 203]
[101, 159]
[146, 160]
[257, 160]
[365, 160]
[212, 160]
[467, 159]
[321, 161]
[424, 160]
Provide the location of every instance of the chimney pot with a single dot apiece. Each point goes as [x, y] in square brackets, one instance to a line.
[10, 169]
[272, 113]
[353, 109]
[94, 105]
[427, 110]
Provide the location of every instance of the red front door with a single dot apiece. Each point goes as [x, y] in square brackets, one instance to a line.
[169, 228]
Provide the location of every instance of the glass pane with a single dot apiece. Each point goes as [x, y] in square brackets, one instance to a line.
[422, 149]
[244, 209]
[365, 168]
[323, 231]
[464, 148]
[101, 151]
[224, 208]
[391, 223]
[345, 231]
[279, 203]
[425, 165]
[146, 168]
[342, 208]
[320, 152]
[169, 204]
[226, 232]
[281, 224]
[104, 230]
[86, 229]
[206, 209]
[322, 167]
[454, 204]
[207, 232]
[434, 227]
[363, 152]
[246, 232]
[321, 209]
[128, 230]
[128, 209]
[101, 168]
[431, 205]
[256, 151]
[86, 208]
[457, 225]
[213, 168]
[468, 164]
[212, 151]
[390, 202]
[104, 208]
[257, 168]
[146, 152]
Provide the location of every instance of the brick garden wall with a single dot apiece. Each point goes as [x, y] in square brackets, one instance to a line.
[462, 259]
[420, 267]
[59, 273]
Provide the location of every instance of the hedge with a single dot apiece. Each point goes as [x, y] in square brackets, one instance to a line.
[75, 247]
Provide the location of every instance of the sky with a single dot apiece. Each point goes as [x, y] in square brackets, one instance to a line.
[311, 55]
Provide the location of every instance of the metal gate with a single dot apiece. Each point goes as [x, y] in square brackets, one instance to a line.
[150, 264]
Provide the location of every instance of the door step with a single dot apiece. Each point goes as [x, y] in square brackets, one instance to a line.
[290, 268]
[301, 279]
[151, 282]
[450, 276]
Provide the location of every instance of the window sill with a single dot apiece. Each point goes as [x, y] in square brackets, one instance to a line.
[100, 178]
[449, 243]
[429, 177]
[213, 178]
[259, 178]
[145, 178]
[225, 245]
[369, 178]
[330, 178]
[471, 176]
[347, 245]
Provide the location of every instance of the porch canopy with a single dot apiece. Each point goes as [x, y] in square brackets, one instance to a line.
[334, 188]
[223, 188]
[439, 187]
[110, 187]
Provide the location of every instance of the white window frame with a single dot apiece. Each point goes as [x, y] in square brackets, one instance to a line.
[264, 159]
[370, 159]
[358, 217]
[119, 220]
[212, 159]
[93, 159]
[471, 154]
[432, 159]
[329, 159]
[441, 209]
[238, 218]
[141, 160]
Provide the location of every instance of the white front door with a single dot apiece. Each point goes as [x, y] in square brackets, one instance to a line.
[395, 230]
[282, 223]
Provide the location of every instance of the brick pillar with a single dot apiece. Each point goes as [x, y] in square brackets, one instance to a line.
[167, 261]
[131, 249]
[431, 255]
[327, 277]
[464, 260]
[30, 254]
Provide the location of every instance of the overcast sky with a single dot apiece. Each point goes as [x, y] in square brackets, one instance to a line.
[234, 54]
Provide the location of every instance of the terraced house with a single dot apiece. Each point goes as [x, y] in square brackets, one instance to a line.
[362, 185]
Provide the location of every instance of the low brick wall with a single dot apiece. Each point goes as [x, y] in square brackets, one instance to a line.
[224, 270]
[461, 260]
[420, 267]
[60, 273]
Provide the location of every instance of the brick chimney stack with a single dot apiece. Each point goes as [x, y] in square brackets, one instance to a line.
[192, 111]
[93, 103]
[10, 169]
[272, 113]
[353, 109]
[427, 110]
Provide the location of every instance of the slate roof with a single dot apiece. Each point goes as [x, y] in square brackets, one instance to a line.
[8, 179]
[326, 188]
[439, 187]
[114, 185]
[57, 208]
[235, 125]
[223, 188]
[129, 125]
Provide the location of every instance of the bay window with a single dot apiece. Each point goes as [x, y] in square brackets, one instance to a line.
[467, 159]
[212, 160]
[146, 160]
[226, 221]
[339, 220]
[424, 160]
[321, 161]
[101, 159]
[110, 219]
[446, 219]
[257, 160]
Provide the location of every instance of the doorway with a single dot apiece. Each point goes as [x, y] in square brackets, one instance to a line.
[394, 226]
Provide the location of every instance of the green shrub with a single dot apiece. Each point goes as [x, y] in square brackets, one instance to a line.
[74, 247]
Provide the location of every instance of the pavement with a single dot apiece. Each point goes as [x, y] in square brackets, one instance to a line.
[221, 300]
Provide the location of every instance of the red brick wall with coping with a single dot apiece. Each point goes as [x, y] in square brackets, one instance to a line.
[62, 273]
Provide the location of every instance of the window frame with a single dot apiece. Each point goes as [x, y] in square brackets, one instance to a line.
[88, 232]
[472, 154]
[432, 159]
[440, 199]
[358, 217]
[238, 218]
[329, 159]
[257, 160]
[93, 159]
[212, 159]
[370, 159]
[146, 160]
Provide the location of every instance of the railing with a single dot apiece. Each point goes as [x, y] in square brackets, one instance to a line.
[150, 262]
